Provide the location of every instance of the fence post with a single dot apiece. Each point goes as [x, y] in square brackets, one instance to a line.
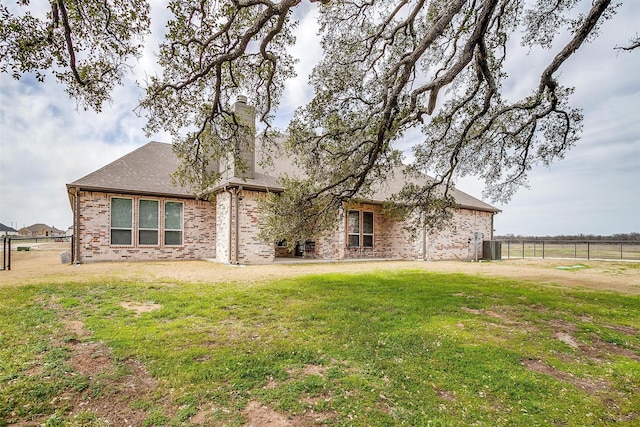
[620, 250]
[508, 249]
[9, 255]
[543, 249]
[523, 249]
[589, 250]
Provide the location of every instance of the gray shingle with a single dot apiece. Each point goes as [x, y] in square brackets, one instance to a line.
[146, 170]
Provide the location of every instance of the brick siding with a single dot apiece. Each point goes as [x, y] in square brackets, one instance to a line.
[392, 241]
[199, 231]
[457, 241]
[209, 230]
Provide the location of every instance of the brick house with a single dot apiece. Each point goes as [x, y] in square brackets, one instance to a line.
[131, 210]
[40, 230]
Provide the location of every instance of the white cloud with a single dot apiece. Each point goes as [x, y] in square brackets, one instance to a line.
[308, 50]
[45, 143]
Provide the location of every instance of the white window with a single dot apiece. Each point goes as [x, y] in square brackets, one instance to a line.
[360, 229]
[353, 227]
[148, 222]
[367, 229]
[173, 224]
[121, 221]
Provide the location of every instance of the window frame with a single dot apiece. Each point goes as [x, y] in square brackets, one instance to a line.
[142, 229]
[363, 234]
[359, 231]
[355, 233]
[173, 230]
[118, 228]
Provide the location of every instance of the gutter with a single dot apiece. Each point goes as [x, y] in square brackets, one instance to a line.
[136, 192]
[234, 221]
[424, 240]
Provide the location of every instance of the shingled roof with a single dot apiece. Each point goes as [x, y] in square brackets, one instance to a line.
[147, 171]
[7, 229]
[267, 176]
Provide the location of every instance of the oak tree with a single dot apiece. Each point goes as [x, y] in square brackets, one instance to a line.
[388, 67]
[87, 45]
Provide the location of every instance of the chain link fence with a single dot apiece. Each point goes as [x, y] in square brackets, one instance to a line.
[13, 247]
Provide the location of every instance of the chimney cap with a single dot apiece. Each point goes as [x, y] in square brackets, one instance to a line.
[241, 99]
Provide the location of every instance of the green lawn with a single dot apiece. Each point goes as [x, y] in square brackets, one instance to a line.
[389, 348]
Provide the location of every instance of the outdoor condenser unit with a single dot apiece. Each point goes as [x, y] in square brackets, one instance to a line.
[492, 249]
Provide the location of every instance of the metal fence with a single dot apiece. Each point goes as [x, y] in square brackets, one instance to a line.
[10, 243]
[606, 250]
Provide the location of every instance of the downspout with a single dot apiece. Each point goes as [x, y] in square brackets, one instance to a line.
[230, 221]
[424, 239]
[493, 214]
[76, 226]
[237, 246]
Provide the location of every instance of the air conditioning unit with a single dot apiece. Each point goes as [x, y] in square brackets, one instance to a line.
[492, 250]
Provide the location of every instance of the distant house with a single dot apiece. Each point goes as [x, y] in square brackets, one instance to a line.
[131, 210]
[7, 231]
[40, 230]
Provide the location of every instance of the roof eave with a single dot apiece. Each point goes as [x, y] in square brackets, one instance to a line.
[244, 185]
[81, 187]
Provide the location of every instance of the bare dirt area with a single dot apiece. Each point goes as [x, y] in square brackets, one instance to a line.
[42, 265]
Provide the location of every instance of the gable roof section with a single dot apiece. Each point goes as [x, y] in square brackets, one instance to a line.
[146, 170]
[266, 178]
[396, 181]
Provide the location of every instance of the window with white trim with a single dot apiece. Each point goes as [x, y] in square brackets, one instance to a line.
[367, 229]
[121, 221]
[173, 223]
[148, 222]
[353, 227]
[360, 229]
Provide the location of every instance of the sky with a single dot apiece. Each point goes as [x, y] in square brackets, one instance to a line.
[47, 142]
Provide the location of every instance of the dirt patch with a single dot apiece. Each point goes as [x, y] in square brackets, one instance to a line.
[259, 415]
[140, 307]
[589, 385]
[567, 339]
[109, 387]
[489, 313]
[75, 328]
[307, 370]
[628, 330]
[112, 387]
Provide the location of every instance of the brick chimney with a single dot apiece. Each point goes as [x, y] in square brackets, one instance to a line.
[242, 161]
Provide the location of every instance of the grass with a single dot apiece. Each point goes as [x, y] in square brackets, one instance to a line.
[389, 348]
